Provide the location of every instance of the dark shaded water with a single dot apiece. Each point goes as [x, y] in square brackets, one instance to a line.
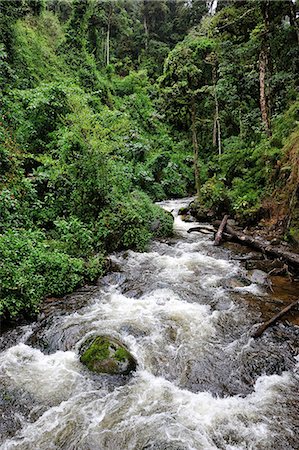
[186, 313]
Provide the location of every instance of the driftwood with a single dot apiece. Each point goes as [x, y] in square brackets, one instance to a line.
[194, 229]
[221, 228]
[270, 322]
[264, 246]
[205, 231]
[202, 229]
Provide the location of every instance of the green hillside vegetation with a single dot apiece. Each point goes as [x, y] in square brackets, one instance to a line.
[109, 106]
[81, 154]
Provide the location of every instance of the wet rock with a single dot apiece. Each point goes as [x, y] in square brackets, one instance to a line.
[264, 265]
[132, 289]
[68, 303]
[241, 257]
[10, 337]
[184, 210]
[113, 266]
[133, 330]
[275, 241]
[259, 277]
[28, 409]
[204, 215]
[163, 446]
[236, 282]
[133, 293]
[107, 355]
[37, 340]
[188, 218]
[115, 278]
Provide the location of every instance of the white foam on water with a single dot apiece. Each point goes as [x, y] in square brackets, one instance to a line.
[251, 289]
[49, 378]
[149, 322]
[192, 261]
[182, 227]
[151, 409]
[183, 265]
[166, 333]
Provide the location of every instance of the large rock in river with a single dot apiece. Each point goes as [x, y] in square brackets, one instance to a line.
[104, 354]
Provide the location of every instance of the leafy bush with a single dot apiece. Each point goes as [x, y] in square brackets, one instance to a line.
[131, 83]
[173, 181]
[35, 44]
[244, 195]
[19, 205]
[30, 270]
[74, 237]
[32, 267]
[10, 154]
[214, 193]
[95, 267]
[129, 223]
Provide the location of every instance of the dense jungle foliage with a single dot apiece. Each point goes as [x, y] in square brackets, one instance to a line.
[108, 106]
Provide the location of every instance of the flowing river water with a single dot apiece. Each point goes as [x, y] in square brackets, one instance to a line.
[202, 382]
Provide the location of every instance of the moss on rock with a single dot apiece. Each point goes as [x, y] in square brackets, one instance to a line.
[107, 355]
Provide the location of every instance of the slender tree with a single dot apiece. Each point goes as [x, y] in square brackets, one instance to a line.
[109, 18]
[185, 85]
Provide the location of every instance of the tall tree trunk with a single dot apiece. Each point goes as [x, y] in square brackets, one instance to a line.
[145, 31]
[108, 45]
[264, 69]
[145, 23]
[263, 96]
[219, 134]
[108, 35]
[195, 146]
[217, 128]
[103, 48]
[215, 131]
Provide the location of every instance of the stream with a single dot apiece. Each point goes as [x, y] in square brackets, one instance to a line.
[186, 311]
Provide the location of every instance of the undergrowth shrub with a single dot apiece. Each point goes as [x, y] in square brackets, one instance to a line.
[213, 193]
[131, 221]
[19, 205]
[74, 237]
[30, 270]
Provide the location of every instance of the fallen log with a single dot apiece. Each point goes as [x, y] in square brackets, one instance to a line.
[270, 322]
[202, 229]
[275, 251]
[220, 231]
[193, 229]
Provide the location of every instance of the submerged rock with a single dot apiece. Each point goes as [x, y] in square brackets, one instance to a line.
[107, 355]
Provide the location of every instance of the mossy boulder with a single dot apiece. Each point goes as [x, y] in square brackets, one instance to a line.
[104, 354]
